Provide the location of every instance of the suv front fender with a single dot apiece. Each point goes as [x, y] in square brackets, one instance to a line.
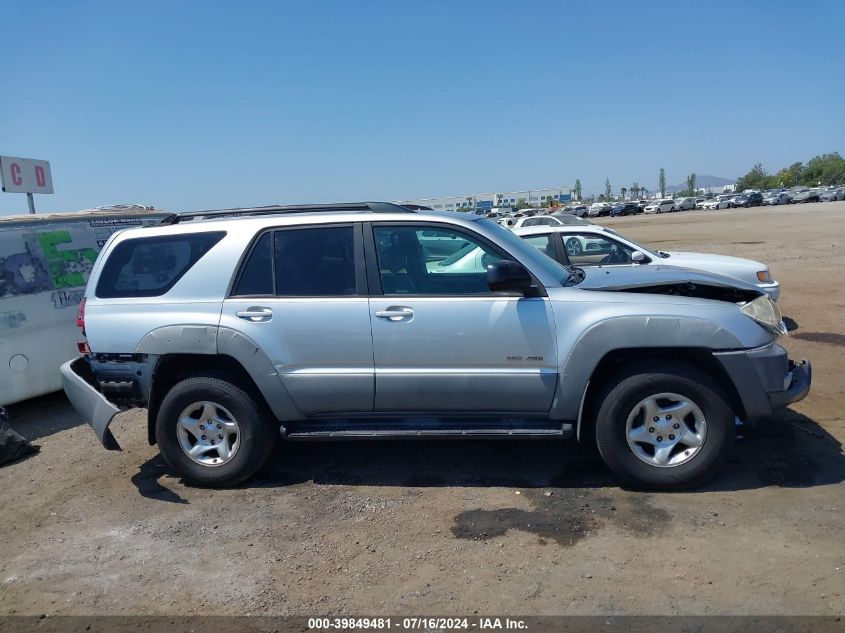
[629, 332]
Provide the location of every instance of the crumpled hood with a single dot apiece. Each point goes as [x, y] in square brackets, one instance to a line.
[664, 279]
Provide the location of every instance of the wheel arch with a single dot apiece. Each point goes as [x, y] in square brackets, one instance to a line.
[613, 361]
[173, 368]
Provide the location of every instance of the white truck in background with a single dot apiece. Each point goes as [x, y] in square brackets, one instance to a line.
[44, 265]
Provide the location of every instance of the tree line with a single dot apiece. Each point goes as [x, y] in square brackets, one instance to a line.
[636, 190]
[826, 169]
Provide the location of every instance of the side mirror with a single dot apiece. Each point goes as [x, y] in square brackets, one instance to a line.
[637, 257]
[507, 276]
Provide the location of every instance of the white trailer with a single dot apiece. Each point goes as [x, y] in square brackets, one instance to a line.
[44, 265]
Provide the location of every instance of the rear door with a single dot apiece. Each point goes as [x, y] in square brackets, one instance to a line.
[442, 341]
[301, 297]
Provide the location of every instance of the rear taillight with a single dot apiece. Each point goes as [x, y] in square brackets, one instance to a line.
[80, 316]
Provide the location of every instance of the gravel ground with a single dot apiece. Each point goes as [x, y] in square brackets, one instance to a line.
[459, 527]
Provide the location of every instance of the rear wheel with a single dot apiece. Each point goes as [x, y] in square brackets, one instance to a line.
[212, 432]
[573, 247]
[664, 426]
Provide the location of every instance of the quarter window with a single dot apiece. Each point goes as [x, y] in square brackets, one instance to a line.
[150, 266]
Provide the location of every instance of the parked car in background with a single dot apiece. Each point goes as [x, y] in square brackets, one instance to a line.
[754, 199]
[806, 195]
[719, 202]
[569, 218]
[699, 202]
[598, 209]
[629, 208]
[579, 210]
[832, 195]
[596, 245]
[684, 204]
[534, 220]
[667, 205]
[777, 198]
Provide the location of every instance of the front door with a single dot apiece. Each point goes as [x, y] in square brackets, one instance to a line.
[442, 341]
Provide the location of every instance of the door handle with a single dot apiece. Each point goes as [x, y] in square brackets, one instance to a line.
[396, 313]
[256, 314]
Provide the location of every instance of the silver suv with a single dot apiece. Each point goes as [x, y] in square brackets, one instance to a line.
[372, 320]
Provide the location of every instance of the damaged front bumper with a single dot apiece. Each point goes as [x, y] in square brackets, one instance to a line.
[92, 406]
[766, 380]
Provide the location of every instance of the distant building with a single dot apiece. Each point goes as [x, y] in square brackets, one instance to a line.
[717, 189]
[484, 202]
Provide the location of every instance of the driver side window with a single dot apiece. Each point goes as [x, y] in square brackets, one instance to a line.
[432, 261]
[590, 249]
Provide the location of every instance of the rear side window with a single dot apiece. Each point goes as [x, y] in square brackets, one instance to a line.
[150, 266]
[315, 262]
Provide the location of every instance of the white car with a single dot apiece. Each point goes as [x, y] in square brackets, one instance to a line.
[777, 198]
[532, 220]
[719, 202]
[684, 204]
[600, 246]
[667, 205]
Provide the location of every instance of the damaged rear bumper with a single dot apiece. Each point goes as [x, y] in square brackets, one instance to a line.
[92, 406]
[766, 380]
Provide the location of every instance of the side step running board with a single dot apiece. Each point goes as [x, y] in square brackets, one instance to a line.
[368, 430]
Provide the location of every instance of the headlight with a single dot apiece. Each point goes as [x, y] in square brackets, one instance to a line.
[764, 276]
[766, 313]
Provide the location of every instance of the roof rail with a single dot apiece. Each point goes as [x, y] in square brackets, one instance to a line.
[342, 207]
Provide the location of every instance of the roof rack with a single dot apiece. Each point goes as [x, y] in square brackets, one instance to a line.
[343, 207]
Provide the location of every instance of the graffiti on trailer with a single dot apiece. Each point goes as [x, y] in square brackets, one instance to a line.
[23, 274]
[44, 265]
[9, 320]
[58, 260]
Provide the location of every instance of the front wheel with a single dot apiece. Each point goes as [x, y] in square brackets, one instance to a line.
[664, 426]
[212, 432]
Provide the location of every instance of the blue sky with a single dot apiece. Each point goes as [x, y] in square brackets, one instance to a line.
[193, 105]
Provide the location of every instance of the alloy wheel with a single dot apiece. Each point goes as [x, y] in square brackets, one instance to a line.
[208, 433]
[666, 430]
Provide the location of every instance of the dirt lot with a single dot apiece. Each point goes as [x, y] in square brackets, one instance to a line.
[455, 528]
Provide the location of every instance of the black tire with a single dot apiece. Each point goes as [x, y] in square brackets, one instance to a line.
[257, 434]
[627, 389]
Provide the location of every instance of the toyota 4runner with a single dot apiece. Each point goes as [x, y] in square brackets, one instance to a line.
[369, 320]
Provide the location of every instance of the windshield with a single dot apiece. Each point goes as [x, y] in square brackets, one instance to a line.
[526, 252]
